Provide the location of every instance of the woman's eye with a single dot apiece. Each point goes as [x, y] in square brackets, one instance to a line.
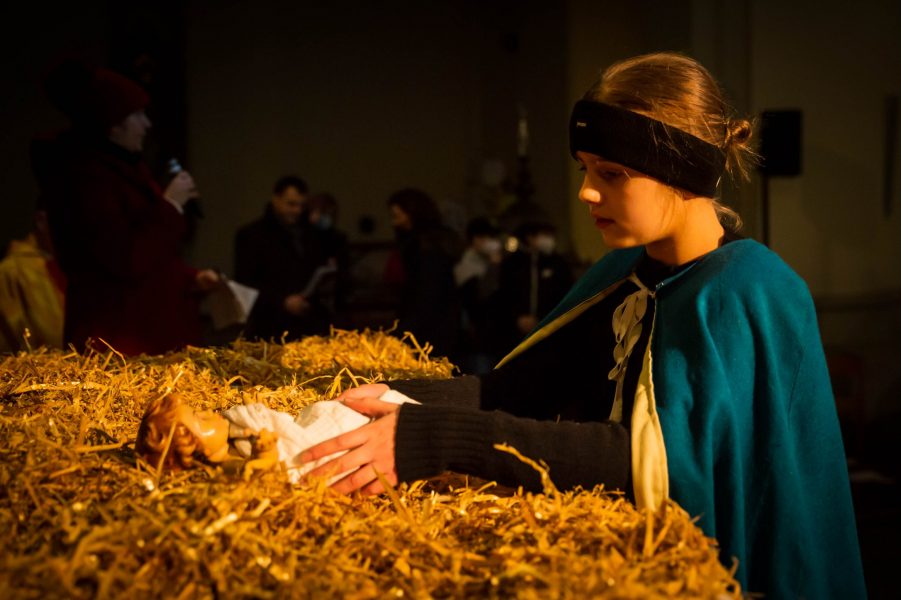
[605, 174]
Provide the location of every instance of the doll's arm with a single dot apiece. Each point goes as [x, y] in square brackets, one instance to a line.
[265, 453]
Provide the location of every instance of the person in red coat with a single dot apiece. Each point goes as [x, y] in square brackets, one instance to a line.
[117, 234]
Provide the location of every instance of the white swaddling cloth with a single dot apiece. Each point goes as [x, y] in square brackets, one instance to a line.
[315, 423]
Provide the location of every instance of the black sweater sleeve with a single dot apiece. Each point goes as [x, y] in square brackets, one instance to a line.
[453, 431]
[459, 391]
[551, 404]
[435, 438]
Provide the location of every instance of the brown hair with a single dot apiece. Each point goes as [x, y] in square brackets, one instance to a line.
[323, 202]
[156, 426]
[419, 206]
[680, 92]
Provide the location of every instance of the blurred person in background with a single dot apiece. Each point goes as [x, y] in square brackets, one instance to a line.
[322, 215]
[278, 255]
[533, 279]
[477, 278]
[427, 251]
[116, 232]
[32, 292]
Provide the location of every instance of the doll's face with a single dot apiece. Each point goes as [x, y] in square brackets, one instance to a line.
[209, 428]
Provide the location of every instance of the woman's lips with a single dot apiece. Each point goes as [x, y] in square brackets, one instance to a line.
[602, 223]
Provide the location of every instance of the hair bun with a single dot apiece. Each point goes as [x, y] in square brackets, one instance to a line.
[738, 132]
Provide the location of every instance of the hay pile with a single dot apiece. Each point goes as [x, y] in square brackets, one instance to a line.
[79, 517]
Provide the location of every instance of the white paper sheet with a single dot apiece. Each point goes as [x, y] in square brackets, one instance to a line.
[231, 303]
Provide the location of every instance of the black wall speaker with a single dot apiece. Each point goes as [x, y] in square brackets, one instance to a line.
[780, 143]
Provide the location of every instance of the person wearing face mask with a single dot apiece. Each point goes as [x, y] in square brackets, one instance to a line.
[117, 234]
[476, 275]
[533, 279]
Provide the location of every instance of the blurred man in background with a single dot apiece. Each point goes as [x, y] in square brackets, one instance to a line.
[278, 254]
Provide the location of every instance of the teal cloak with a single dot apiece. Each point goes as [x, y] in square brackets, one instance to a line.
[752, 441]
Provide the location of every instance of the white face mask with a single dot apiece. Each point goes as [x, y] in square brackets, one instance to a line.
[490, 246]
[545, 244]
[325, 222]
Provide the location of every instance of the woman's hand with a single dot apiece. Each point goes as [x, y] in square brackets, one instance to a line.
[181, 189]
[207, 279]
[367, 390]
[370, 448]
[296, 304]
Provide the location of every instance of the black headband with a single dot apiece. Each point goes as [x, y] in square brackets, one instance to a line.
[671, 155]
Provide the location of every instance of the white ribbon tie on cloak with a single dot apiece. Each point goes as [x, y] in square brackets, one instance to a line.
[650, 473]
[627, 328]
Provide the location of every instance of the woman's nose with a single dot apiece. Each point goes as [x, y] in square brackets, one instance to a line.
[588, 193]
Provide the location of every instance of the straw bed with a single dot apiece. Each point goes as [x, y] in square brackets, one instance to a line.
[80, 517]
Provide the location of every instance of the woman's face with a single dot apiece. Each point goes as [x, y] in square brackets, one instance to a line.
[400, 219]
[130, 133]
[629, 208]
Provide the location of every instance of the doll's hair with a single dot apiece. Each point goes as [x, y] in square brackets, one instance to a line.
[160, 417]
[680, 92]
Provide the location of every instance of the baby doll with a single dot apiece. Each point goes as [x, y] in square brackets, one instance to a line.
[209, 436]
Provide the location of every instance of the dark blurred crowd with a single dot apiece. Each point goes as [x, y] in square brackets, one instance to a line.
[105, 267]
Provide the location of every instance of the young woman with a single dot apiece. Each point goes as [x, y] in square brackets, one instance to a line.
[710, 387]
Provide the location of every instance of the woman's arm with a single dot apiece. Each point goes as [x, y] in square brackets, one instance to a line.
[458, 391]
[431, 439]
[419, 441]
[550, 403]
